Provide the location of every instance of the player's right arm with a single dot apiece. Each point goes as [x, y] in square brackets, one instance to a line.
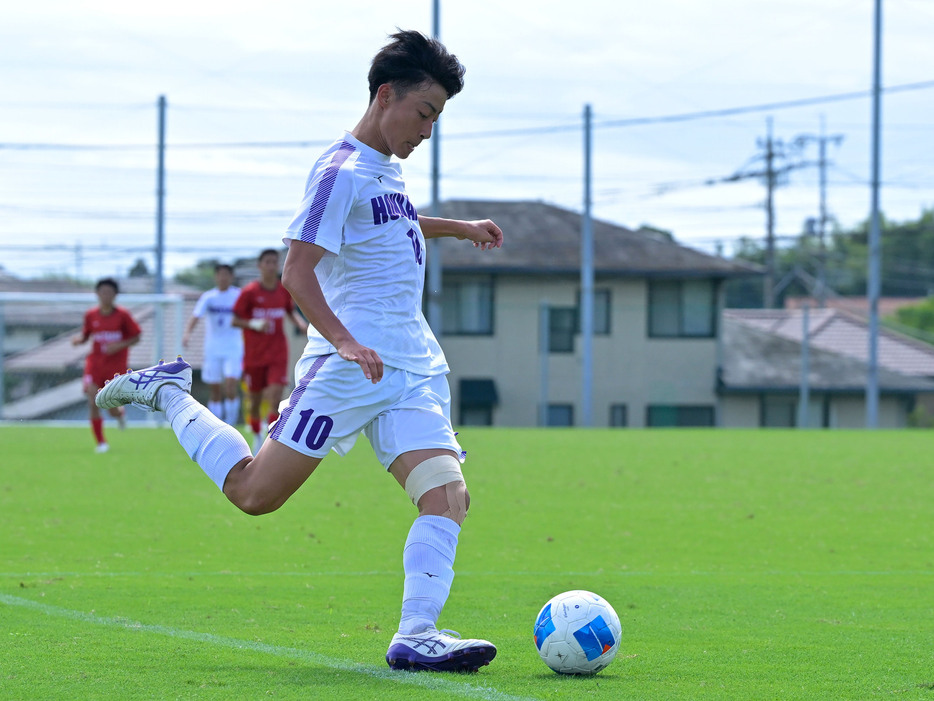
[192, 322]
[299, 279]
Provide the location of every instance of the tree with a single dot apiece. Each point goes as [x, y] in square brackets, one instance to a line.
[200, 276]
[139, 269]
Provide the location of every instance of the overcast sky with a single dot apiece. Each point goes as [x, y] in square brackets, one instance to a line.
[238, 78]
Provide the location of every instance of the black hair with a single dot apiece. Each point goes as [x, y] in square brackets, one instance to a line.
[265, 252]
[107, 281]
[224, 266]
[411, 59]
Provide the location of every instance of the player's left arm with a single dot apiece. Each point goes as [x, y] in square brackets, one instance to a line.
[483, 233]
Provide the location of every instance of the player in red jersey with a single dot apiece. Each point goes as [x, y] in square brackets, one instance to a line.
[113, 331]
[260, 311]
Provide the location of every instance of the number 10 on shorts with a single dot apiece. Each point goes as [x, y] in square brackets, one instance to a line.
[317, 433]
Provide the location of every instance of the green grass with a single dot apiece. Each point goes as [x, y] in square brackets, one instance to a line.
[743, 565]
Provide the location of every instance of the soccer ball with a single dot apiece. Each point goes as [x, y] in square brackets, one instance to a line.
[577, 632]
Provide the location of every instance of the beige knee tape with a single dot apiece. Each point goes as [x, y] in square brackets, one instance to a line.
[442, 470]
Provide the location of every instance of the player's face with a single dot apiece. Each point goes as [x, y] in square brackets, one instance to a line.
[269, 266]
[223, 279]
[409, 119]
[106, 296]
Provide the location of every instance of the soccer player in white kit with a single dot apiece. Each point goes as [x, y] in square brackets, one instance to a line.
[356, 267]
[223, 344]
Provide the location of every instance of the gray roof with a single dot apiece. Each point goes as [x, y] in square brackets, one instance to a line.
[757, 360]
[843, 333]
[541, 238]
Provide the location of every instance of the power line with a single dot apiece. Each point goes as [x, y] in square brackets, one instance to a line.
[553, 129]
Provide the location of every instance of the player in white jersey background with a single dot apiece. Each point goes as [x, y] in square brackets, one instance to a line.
[223, 344]
[356, 269]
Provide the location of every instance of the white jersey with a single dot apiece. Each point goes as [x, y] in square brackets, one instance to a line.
[373, 275]
[221, 337]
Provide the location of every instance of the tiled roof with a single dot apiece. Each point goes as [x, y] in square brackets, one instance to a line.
[757, 359]
[842, 333]
[544, 239]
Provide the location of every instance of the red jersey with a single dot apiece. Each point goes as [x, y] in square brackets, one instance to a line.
[256, 302]
[104, 329]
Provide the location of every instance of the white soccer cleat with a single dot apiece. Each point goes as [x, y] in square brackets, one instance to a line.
[438, 651]
[102, 448]
[140, 387]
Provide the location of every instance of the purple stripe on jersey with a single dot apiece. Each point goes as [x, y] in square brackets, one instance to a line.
[320, 201]
[297, 395]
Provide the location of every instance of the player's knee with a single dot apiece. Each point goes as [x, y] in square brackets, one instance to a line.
[436, 486]
[255, 505]
[249, 500]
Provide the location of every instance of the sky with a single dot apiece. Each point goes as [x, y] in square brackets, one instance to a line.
[677, 90]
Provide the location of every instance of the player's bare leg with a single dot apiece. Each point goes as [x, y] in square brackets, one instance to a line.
[263, 483]
[257, 485]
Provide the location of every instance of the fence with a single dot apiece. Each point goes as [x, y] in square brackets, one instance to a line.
[42, 368]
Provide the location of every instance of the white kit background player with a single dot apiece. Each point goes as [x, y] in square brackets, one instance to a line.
[223, 344]
[356, 268]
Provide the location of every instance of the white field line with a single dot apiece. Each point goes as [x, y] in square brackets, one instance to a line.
[426, 680]
[466, 573]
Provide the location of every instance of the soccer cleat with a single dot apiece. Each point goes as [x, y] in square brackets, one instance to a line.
[140, 387]
[438, 651]
[102, 448]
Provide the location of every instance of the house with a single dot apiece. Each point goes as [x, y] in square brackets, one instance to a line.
[42, 370]
[657, 308]
[761, 370]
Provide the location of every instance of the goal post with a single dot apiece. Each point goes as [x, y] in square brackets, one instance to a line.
[42, 369]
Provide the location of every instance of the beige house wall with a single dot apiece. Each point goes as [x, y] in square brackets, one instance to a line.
[628, 368]
[847, 412]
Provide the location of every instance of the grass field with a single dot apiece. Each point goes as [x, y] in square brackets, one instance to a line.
[743, 565]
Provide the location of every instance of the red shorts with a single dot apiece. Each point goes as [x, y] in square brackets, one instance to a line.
[259, 377]
[99, 369]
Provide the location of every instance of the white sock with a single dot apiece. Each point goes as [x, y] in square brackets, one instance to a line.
[232, 410]
[211, 443]
[428, 560]
[217, 408]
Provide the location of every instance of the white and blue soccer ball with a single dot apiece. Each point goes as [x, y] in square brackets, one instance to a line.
[577, 632]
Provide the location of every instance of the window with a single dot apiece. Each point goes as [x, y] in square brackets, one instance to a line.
[601, 311]
[682, 308]
[560, 415]
[467, 306]
[562, 325]
[477, 399]
[618, 415]
[779, 411]
[659, 415]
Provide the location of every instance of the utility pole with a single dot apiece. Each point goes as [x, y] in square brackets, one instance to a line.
[160, 200]
[874, 282]
[587, 279]
[435, 272]
[822, 163]
[768, 292]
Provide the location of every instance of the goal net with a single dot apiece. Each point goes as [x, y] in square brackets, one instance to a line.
[42, 369]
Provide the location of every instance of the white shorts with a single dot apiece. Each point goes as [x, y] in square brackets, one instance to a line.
[215, 368]
[333, 402]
